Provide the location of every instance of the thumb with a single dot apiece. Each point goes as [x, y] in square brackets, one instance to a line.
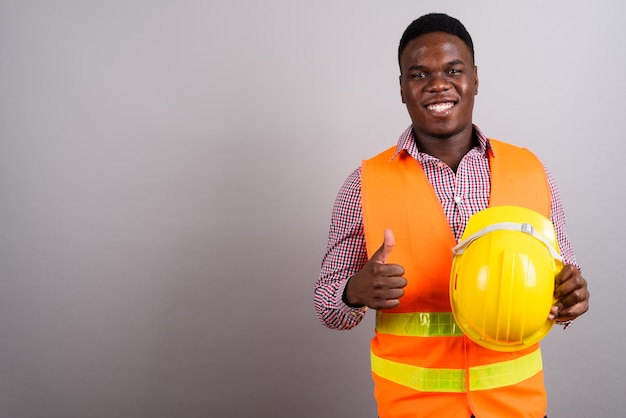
[384, 251]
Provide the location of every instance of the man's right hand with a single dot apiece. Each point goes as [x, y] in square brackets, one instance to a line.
[378, 285]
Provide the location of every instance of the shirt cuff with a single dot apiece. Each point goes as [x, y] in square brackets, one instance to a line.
[352, 314]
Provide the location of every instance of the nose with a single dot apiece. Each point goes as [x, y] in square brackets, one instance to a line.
[438, 82]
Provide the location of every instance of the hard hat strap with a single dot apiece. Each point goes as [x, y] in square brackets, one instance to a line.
[506, 226]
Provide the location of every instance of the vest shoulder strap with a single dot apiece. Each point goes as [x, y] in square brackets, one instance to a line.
[396, 194]
[518, 178]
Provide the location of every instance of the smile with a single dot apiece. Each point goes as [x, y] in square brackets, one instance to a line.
[440, 107]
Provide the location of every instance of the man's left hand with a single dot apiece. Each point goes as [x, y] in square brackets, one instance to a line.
[571, 294]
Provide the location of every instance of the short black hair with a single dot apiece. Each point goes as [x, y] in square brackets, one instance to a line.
[435, 22]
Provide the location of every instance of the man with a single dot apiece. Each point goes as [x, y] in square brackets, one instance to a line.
[442, 171]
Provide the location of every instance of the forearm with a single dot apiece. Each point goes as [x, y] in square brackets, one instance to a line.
[345, 255]
[557, 216]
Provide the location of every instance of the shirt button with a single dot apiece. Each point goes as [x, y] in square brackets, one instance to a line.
[457, 199]
[353, 313]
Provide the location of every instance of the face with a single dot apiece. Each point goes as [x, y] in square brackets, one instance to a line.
[438, 82]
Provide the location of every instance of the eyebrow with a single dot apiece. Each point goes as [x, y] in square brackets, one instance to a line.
[449, 63]
[415, 67]
[456, 62]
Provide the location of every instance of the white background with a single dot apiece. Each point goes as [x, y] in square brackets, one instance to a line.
[167, 171]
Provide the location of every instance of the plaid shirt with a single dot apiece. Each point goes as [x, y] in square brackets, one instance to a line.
[461, 194]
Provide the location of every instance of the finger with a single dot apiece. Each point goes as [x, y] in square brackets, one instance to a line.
[571, 307]
[575, 306]
[383, 252]
[575, 297]
[395, 282]
[568, 272]
[388, 304]
[572, 290]
[388, 297]
[554, 312]
[390, 294]
[572, 312]
[558, 312]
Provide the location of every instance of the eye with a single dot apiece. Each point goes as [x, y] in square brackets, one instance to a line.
[418, 76]
[454, 71]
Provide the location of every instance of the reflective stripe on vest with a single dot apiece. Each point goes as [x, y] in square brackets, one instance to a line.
[418, 324]
[489, 376]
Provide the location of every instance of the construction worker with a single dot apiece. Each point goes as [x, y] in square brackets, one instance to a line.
[416, 199]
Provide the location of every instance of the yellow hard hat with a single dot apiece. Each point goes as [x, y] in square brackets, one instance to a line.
[502, 277]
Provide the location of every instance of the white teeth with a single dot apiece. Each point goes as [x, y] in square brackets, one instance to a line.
[440, 107]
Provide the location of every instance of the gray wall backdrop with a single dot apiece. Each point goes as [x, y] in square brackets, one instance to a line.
[167, 171]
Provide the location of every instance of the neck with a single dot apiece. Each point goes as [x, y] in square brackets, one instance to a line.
[450, 150]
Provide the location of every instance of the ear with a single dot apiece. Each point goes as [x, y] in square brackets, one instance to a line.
[401, 90]
[475, 80]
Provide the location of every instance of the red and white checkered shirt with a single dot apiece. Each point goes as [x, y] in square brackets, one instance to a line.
[461, 194]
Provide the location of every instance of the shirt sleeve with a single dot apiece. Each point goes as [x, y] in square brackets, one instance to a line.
[557, 216]
[346, 254]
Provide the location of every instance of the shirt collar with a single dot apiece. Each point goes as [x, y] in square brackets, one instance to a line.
[407, 143]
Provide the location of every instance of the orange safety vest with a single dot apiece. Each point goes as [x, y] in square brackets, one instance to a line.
[422, 364]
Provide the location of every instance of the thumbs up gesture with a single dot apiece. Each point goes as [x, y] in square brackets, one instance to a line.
[378, 285]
